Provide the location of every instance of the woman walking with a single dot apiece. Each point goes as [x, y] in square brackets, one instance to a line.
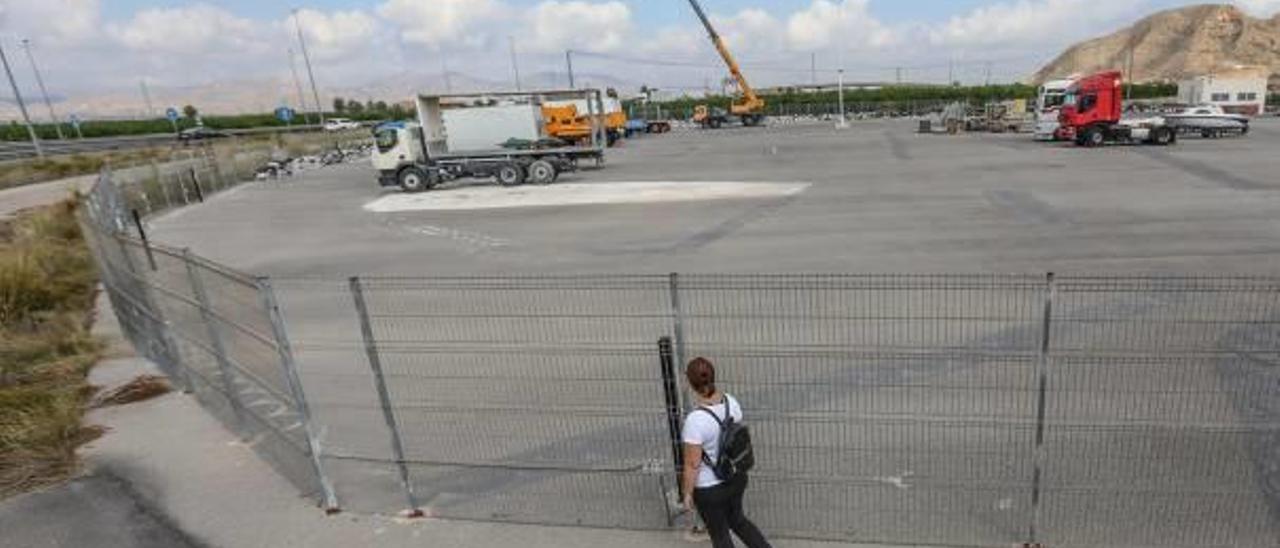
[718, 501]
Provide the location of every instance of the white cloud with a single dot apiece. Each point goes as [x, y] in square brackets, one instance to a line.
[58, 22]
[442, 24]
[1032, 22]
[194, 29]
[1259, 8]
[335, 35]
[751, 29]
[575, 24]
[845, 24]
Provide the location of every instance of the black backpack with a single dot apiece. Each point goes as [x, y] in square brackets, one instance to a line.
[735, 456]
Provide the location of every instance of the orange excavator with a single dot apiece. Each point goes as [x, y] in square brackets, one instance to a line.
[749, 108]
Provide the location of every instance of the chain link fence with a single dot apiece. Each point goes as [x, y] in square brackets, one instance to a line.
[944, 409]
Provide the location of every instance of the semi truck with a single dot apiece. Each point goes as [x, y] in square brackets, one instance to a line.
[1091, 115]
[1049, 99]
[483, 135]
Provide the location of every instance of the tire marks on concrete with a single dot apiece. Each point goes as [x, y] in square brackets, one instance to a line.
[897, 147]
[1204, 171]
[1026, 207]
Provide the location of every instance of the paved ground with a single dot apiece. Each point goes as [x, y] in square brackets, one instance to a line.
[881, 199]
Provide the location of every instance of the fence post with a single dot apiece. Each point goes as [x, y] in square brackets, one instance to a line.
[375, 363]
[215, 339]
[672, 399]
[1042, 369]
[677, 318]
[195, 183]
[290, 367]
[146, 244]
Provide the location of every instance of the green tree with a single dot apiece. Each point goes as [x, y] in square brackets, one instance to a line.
[354, 108]
[381, 106]
[369, 106]
[339, 105]
[190, 111]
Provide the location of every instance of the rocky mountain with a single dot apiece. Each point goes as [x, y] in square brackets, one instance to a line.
[1175, 44]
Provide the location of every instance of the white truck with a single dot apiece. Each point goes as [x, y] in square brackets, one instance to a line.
[1049, 101]
[482, 135]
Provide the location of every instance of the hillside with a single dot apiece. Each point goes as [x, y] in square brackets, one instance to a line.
[1178, 43]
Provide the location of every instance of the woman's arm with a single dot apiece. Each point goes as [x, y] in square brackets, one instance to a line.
[692, 461]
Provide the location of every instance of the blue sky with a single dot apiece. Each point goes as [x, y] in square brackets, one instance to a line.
[89, 46]
[647, 12]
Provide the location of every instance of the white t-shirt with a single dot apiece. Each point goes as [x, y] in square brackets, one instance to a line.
[701, 429]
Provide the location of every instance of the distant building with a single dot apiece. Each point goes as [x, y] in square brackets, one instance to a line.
[1242, 90]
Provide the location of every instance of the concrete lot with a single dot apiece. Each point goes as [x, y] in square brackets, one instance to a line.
[880, 199]
[883, 199]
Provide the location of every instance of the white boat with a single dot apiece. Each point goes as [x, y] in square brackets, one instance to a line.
[1208, 120]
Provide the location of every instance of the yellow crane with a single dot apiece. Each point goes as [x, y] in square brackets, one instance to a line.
[749, 108]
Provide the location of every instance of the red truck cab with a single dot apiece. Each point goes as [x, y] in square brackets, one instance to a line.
[1091, 100]
[1091, 115]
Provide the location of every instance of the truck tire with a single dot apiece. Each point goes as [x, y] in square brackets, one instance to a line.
[414, 179]
[511, 175]
[542, 172]
[1094, 137]
[714, 123]
[1163, 136]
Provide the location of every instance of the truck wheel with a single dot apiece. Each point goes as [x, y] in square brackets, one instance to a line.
[414, 179]
[713, 123]
[542, 172]
[1093, 137]
[1163, 136]
[511, 175]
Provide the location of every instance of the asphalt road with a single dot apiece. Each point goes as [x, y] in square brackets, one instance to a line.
[881, 200]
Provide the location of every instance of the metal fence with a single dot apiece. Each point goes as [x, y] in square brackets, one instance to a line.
[951, 410]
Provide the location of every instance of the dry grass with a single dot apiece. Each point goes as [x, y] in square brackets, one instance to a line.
[141, 388]
[47, 290]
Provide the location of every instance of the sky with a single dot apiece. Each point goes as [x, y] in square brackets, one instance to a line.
[88, 45]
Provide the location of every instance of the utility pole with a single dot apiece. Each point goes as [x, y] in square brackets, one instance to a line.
[306, 58]
[898, 71]
[17, 96]
[515, 66]
[297, 86]
[568, 59]
[988, 78]
[951, 72]
[53, 117]
[841, 122]
[146, 99]
[1128, 89]
[813, 68]
[444, 69]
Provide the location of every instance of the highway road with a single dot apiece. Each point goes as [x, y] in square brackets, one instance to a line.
[15, 150]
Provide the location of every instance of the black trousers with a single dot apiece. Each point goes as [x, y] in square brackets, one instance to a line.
[721, 509]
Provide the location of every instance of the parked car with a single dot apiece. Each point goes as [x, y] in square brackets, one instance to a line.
[340, 124]
[199, 133]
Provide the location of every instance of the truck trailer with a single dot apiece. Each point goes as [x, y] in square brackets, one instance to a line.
[483, 135]
[1091, 115]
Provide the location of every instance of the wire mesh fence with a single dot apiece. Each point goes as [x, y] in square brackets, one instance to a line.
[944, 409]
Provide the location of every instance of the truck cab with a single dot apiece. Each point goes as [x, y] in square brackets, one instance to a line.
[396, 145]
[1091, 115]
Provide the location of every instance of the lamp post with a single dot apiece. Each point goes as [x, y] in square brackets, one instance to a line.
[17, 95]
[53, 117]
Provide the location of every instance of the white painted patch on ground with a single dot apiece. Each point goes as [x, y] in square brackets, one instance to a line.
[498, 197]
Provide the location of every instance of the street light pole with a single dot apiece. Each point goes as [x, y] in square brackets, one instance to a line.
[568, 59]
[53, 117]
[297, 86]
[515, 66]
[146, 98]
[306, 58]
[17, 95]
[841, 122]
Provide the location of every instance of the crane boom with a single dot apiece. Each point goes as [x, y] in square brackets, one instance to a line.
[751, 103]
